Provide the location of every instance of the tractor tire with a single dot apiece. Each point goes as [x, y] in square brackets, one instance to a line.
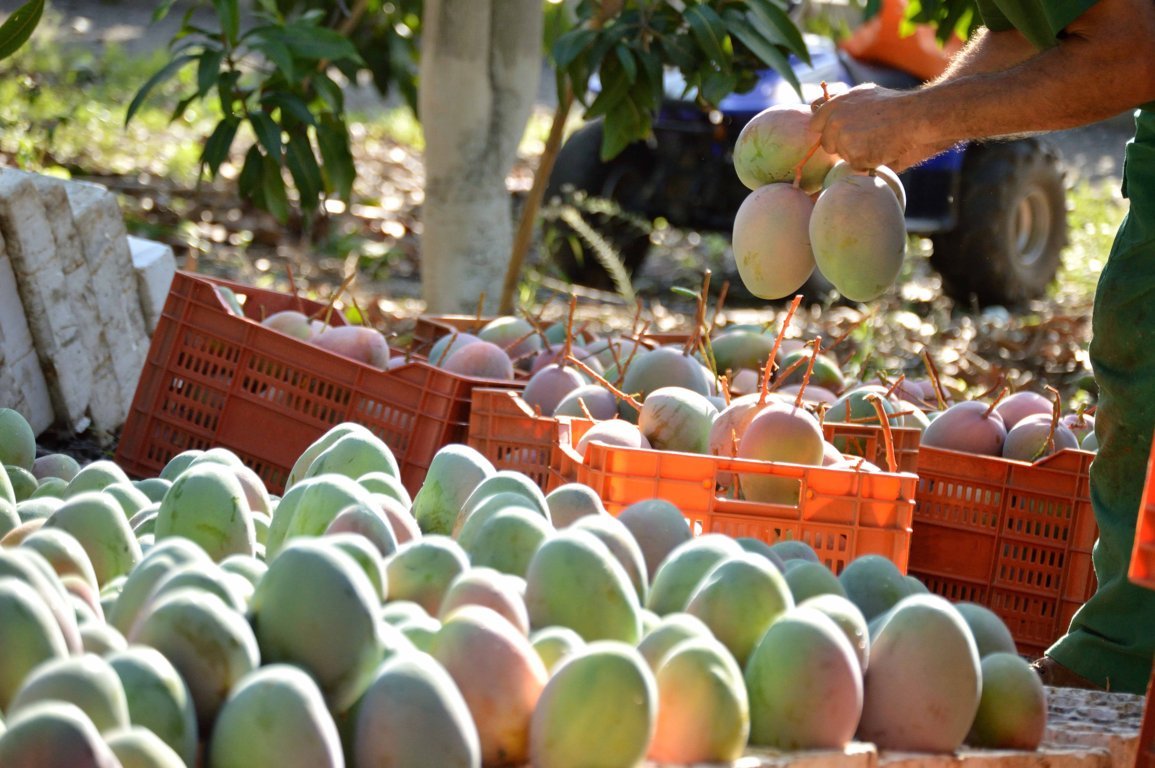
[1012, 225]
[604, 193]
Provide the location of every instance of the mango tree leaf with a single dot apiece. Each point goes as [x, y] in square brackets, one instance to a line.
[164, 73]
[290, 105]
[250, 179]
[337, 159]
[741, 28]
[267, 131]
[778, 28]
[229, 14]
[626, 59]
[302, 165]
[278, 53]
[571, 45]
[207, 70]
[718, 85]
[276, 197]
[614, 89]
[18, 27]
[218, 145]
[709, 32]
[315, 43]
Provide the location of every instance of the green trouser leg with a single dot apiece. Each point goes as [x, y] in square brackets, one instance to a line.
[1111, 639]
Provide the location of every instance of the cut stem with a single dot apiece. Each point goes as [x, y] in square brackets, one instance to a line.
[771, 361]
[626, 398]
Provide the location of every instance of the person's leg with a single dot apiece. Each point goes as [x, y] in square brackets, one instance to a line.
[1111, 640]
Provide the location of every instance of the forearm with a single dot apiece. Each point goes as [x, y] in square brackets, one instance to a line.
[1101, 67]
[985, 52]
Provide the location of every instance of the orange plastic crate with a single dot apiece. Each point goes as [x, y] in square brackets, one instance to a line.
[842, 514]
[430, 328]
[869, 441]
[214, 379]
[1013, 536]
[507, 431]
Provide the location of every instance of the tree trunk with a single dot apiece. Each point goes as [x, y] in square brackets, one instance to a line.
[480, 65]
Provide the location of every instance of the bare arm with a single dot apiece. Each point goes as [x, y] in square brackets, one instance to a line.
[1103, 64]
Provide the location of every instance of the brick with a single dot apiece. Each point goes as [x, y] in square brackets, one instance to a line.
[22, 384]
[108, 404]
[40, 281]
[105, 244]
[155, 267]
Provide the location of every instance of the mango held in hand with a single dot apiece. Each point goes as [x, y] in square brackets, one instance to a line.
[858, 235]
[771, 240]
[774, 142]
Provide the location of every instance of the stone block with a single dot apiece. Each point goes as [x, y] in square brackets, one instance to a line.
[155, 267]
[108, 405]
[22, 384]
[40, 281]
[104, 241]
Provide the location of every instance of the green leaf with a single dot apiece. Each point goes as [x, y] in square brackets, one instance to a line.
[164, 73]
[615, 86]
[290, 105]
[250, 179]
[275, 196]
[278, 53]
[229, 14]
[764, 50]
[181, 107]
[302, 165]
[622, 127]
[267, 131]
[709, 32]
[207, 70]
[718, 85]
[778, 27]
[571, 45]
[162, 9]
[338, 168]
[330, 93]
[626, 59]
[18, 27]
[314, 43]
[218, 145]
[685, 293]
[226, 90]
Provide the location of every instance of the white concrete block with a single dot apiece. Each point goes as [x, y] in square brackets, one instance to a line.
[155, 267]
[22, 384]
[40, 281]
[108, 405]
[105, 244]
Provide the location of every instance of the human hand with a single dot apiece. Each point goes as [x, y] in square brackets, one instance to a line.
[869, 126]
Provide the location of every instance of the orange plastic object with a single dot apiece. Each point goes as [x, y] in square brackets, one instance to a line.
[1142, 571]
[430, 328]
[215, 379]
[868, 441]
[842, 513]
[885, 39]
[507, 431]
[1013, 536]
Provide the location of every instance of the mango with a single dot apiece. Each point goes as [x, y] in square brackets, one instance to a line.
[179, 463]
[570, 501]
[51, 734]
[663, 367]
[24, 483]
[659, 527]
[96, 477]
[772, 240]
[158, 698]
[677, 419]
[549, 386]
[738, 599]
[63, 552]
[481, 360]
[501, 693]
[622, 545]
[682, 570]
[555, 644]
[874, 584]
[924, 681]
[575, 581]
[30, 567]
[491, 589]
[703, 713]
[990, 632]
[454, 472]
[807, 579]
[87, 681]
[1012, 711]
[207, 505]
[98, 523]
[138, 747]
[309, 587]
[413, 715]
[141, 581]
[805, 684]
[858, 236]
[599, 708]
[275, 715]
[17, 440]
[968, 426]
[422, 570]
[317, 447]
[309, 507]
[29, 636]
[353, 455]
[101, 639]
[210, 644]
[776, 140]
[779, 433]
[849, 619]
